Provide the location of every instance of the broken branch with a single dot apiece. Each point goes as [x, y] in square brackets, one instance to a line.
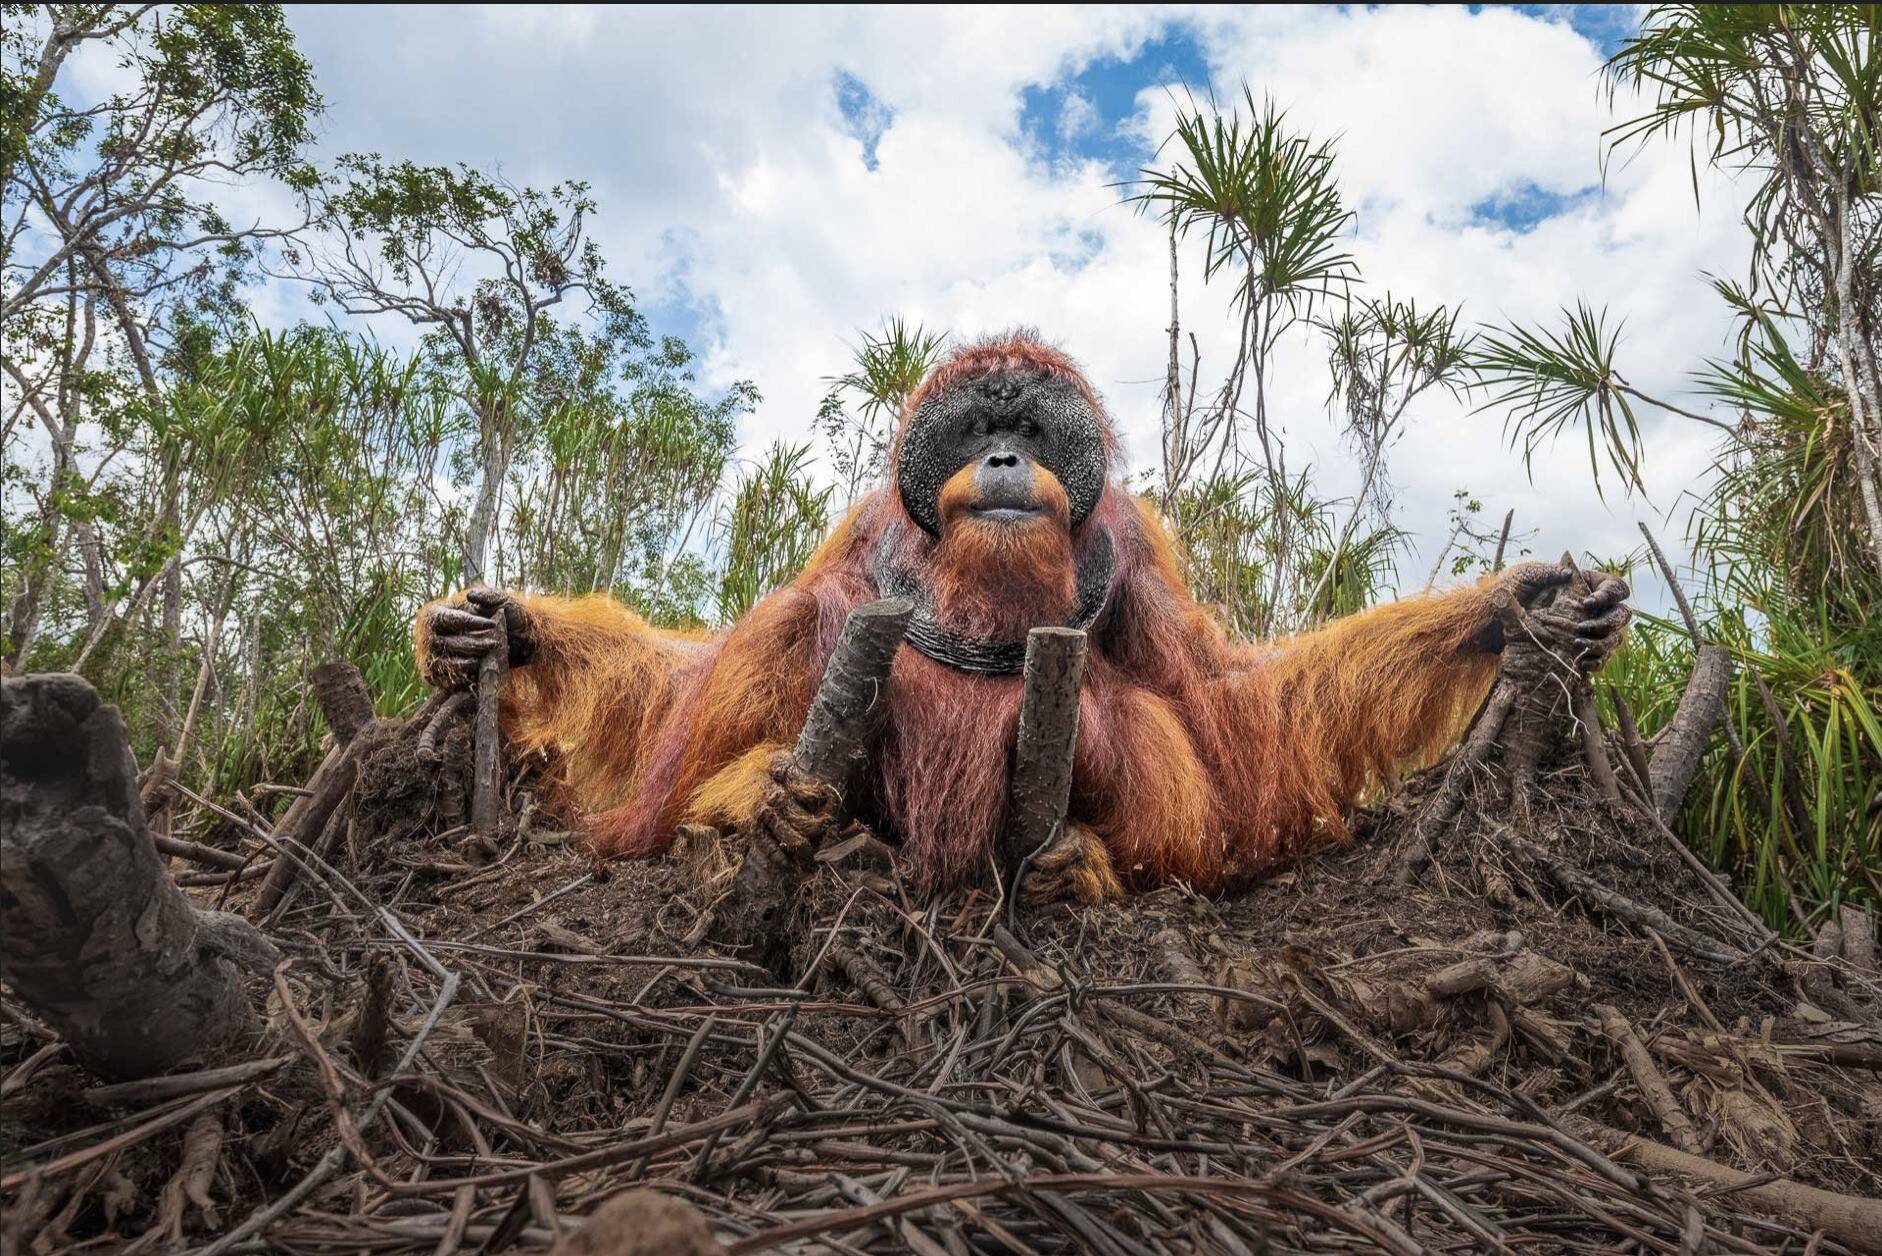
[1041, 785]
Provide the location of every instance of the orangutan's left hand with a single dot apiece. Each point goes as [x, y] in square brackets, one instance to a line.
[1586, 630]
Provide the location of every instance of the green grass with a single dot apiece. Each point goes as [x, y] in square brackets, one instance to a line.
[1798, 822]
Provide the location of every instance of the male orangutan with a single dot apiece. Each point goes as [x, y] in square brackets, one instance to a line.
[1198, 757]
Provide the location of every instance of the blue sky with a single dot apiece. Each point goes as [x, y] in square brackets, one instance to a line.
[772, 180]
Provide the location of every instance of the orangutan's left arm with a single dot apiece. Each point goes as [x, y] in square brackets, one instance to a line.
[1393, 686]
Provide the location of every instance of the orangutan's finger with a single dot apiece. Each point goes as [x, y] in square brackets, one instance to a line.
[1610, 592]
[1606, 625]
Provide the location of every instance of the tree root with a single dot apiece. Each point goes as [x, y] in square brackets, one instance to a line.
[1851, 1220]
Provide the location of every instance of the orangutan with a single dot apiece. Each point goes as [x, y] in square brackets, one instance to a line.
[1199, 758]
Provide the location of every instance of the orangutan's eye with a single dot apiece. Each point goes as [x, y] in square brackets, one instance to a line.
[1028, 428]
[981, 428]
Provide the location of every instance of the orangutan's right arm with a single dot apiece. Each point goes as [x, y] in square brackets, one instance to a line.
[589, 677]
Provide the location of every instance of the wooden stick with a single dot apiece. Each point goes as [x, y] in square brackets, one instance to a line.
[196, 852]
[332, 790]
[1593, 745]
[178, 1085]
[1673, 586]
[1646, 1074]
[834, 748]
[1041, 785]
[1444, 805]
[1635, 749]
[1859, 940]
[1503, 539]
[487, 771]
[1676, 759]
[1732, 739]
[852, 697]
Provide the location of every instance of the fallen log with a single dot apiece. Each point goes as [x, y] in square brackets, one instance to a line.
[347, 704]
[94, 935]
[1849, 1219]
[343, 697]
[1660, 1098]
[1575, 882]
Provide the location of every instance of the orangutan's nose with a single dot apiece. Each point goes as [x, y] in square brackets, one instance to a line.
[1003, 484]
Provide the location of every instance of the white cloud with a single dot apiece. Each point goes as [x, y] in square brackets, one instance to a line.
[730, 180]
[1078, 117]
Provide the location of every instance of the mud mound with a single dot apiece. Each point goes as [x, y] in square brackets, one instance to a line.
[415, 778]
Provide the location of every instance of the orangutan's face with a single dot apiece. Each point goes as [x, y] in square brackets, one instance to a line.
[1014, 448]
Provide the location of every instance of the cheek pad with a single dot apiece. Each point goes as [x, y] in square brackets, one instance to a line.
[1070, 446]
[931, 452]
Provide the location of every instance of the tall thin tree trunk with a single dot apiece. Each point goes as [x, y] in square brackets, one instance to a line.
[1174, 437]
[484, 514]
[1859, 374]
[91, 554]
[23, 616]
[169, 670]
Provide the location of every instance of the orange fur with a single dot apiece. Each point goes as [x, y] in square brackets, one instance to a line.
[1151, 794]
[1339, 712]
[1199, 758]
[732, 795]
[600, 680]
[999, 579]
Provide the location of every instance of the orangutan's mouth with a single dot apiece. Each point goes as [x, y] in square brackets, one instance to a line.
[1007, 513]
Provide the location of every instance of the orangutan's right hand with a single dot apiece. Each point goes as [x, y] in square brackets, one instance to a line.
[454, 635]
[1074, 867]
[797, 813]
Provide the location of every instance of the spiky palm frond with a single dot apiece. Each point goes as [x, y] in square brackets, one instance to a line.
[772, 521]
[1550, 381]
[1262, 194]
[890, 364]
